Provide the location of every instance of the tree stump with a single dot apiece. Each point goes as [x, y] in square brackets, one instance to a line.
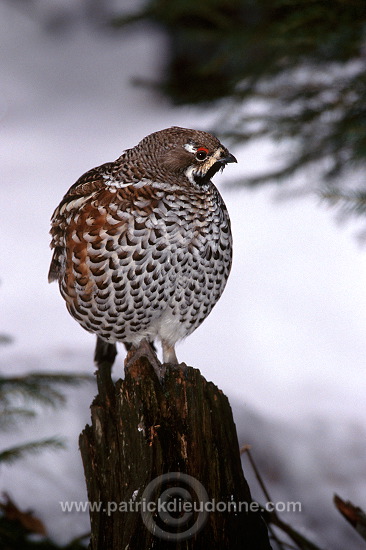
[162, 463]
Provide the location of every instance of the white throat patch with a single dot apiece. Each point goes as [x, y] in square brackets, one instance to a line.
[189, 174]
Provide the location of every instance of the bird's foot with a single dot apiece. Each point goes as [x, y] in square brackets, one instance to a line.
[177, 366]
[145, 350]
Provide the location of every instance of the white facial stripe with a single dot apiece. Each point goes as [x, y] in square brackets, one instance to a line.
[190, 148]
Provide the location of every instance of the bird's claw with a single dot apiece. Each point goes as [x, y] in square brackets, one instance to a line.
[145, 350]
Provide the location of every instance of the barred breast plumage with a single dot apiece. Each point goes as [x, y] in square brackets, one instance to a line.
[142, 246]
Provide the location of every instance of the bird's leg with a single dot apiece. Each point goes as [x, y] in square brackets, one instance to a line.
[145, 349]
[105, 352]
[169, 356]
[104, 356]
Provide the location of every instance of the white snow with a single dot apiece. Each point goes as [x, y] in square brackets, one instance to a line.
[286, 341]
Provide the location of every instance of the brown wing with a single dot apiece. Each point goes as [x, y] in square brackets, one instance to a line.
[90, 207]
[86, 186]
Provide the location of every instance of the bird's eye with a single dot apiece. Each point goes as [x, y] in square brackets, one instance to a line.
[201, 153]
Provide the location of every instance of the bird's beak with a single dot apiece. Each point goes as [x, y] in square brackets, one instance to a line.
[228, 158]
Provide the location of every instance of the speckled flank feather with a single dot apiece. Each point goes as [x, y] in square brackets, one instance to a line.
[141, 250]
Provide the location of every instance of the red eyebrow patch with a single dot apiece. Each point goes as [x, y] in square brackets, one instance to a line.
[202, 149]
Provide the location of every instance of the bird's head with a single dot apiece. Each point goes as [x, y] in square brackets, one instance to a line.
[192, 154]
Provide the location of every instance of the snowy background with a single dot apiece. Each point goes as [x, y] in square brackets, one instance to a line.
[285, 343]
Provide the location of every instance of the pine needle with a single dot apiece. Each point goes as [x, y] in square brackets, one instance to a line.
[41, 388]
[18, 452]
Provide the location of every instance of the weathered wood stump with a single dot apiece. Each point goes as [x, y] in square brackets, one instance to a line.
[145, 440]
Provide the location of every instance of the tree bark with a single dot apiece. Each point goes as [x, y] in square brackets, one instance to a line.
[170, 444]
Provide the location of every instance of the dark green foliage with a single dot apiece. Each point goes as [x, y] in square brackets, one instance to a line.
[14, 453]
[39, 387]
[20, 396]
[301, 61]
[20, 399]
